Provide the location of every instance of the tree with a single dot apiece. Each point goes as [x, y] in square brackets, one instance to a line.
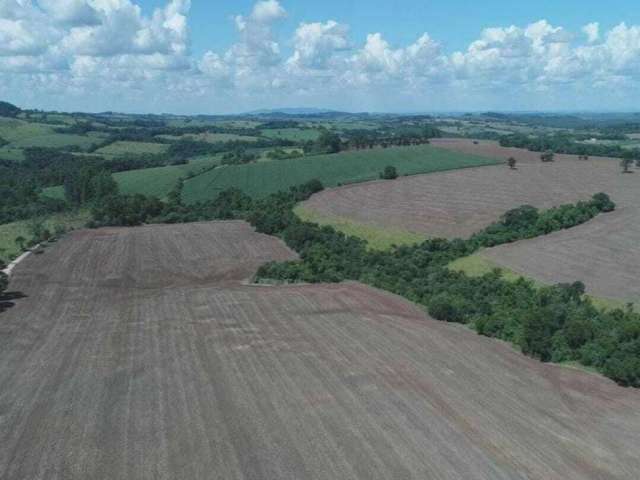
[329, 142]
[628, 158]
[512, 163]
[389, 173]
[547, 156]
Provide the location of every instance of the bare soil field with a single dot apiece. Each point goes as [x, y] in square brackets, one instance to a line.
[139, 354]
[492, 149]
[604, 254]
[459, 203]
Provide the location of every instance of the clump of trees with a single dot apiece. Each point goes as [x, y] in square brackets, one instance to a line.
[89, 184]
[512, 163]
[389, 173]
[547, 156]
[281, 154]
[238, 156]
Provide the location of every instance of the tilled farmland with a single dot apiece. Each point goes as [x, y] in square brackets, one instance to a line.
[603, 254]
[143, 354]
[459, 203]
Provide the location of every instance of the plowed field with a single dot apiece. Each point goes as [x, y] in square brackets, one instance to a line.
[140, 354]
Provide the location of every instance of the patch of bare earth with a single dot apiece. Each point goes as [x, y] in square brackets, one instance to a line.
[138, 353]
[604, 254]
[459, 203]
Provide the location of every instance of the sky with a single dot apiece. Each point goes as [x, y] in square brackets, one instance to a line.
[221, 56]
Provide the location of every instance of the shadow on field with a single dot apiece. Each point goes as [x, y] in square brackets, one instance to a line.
[6, 300]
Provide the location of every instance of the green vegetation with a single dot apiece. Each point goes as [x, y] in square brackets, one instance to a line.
[132, 148]
[294, 134]
[9, 232]
[377, 238]
[155, 182]
[263, 178]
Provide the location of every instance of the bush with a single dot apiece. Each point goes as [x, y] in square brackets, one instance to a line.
[389, 173]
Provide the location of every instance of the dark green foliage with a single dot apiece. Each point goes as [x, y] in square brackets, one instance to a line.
[89, 184]
[565, 142]
[389, 173]
[280, 154]
[3, 142]
[238, 156]
[8, 110]
[527, 222]
[126, 210]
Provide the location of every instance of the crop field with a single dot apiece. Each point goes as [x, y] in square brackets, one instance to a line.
[139, 353]
[295, 134]
[459, 203]
[604, 254]
[211, 137]
[157, 181]
[132, 148]
[263, 178]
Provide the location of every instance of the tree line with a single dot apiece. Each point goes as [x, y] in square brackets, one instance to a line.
[555, 323]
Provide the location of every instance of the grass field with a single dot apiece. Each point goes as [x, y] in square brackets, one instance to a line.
[23, 134]
[263, 178]
[295, 134]
[377, 238]
[140, 353]
[10, 231]
[133, 148]
[10, 153]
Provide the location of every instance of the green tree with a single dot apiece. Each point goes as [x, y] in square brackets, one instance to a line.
[512, 163]
[389, 173]
[547, 156]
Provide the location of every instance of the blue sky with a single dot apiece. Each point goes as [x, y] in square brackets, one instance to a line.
[202, 56]
[454, 22]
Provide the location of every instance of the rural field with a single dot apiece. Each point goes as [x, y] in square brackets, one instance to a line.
[459, 203]
[141, 353]
[602, 253]
[261, 179]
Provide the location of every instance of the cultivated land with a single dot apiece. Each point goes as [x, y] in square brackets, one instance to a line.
[603, 254]
[138, 353]
[263, 178]
[156, 181]
[132, 148]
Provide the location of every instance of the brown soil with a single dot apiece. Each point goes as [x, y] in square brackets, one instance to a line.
[137, 354]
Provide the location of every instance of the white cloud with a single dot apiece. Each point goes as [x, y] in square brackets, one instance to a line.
[316, 43]
[592, 31]
[84, 46]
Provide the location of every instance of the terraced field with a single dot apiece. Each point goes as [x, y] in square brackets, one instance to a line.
[263, 178]
[138, 353]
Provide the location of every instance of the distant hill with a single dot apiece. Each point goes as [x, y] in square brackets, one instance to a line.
[294, 111]
[8, 110]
